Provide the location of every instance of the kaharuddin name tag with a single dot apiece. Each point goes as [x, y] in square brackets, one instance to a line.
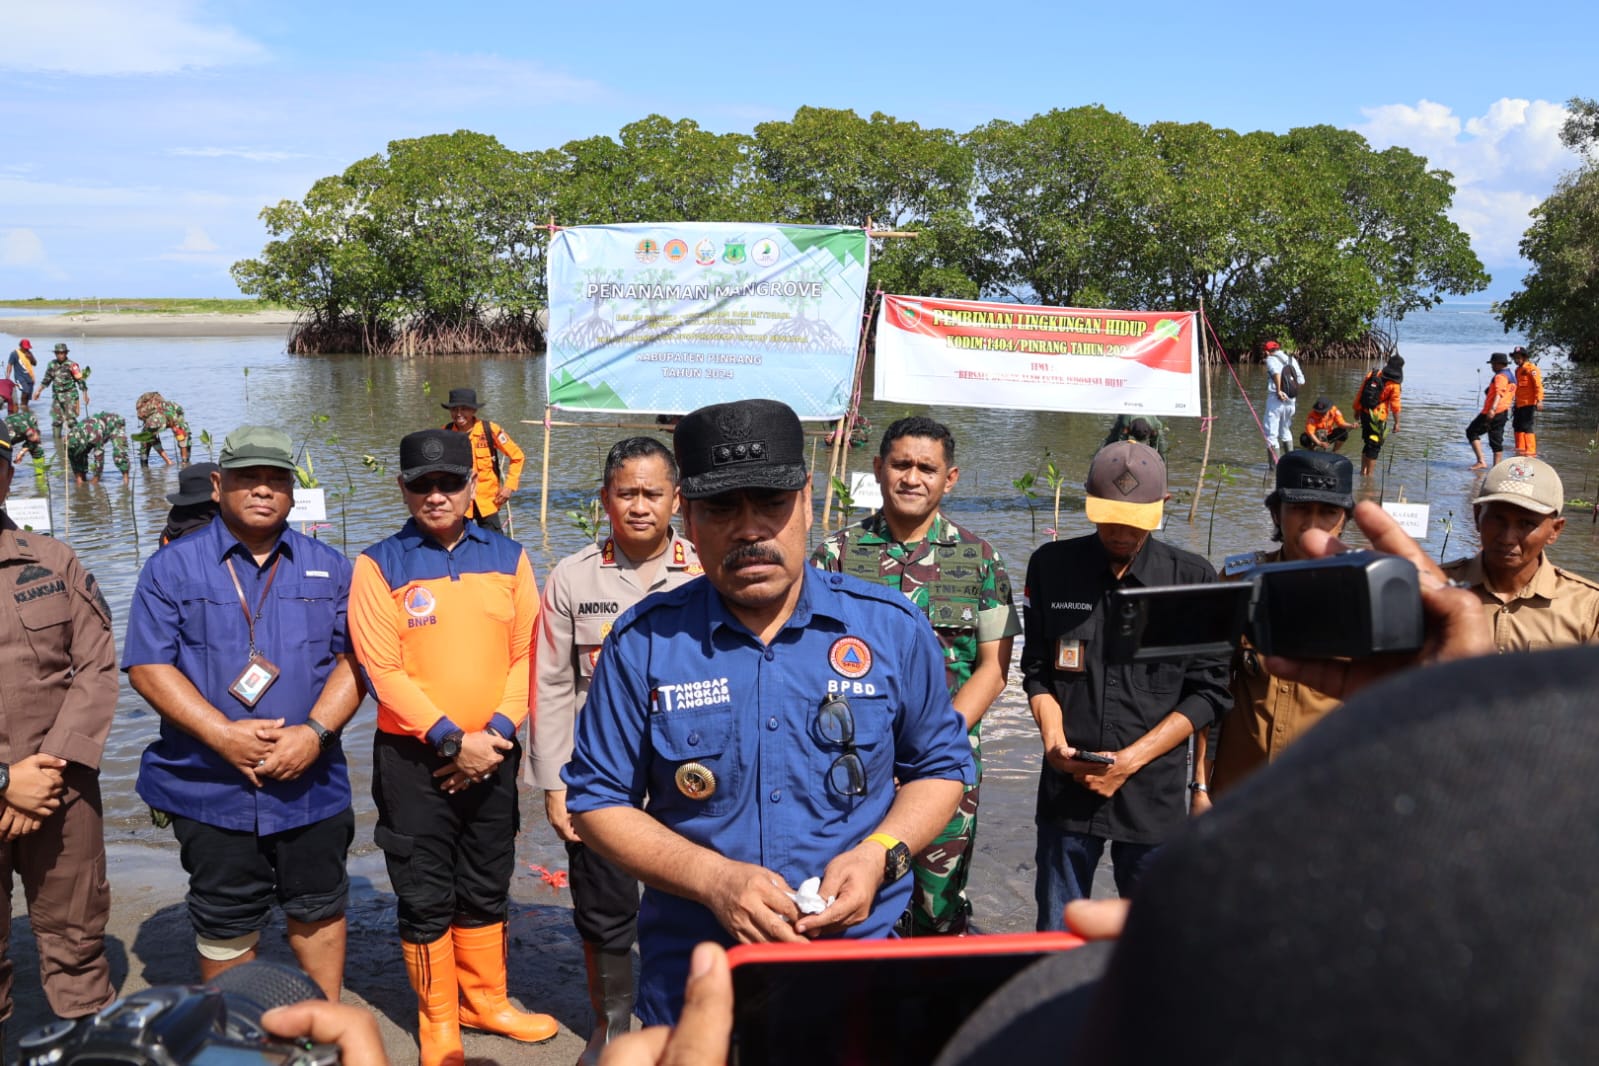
[31, 513]
[1412, 517]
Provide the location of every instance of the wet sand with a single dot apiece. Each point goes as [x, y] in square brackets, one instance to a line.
[137, 324]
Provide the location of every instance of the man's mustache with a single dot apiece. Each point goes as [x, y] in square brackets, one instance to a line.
[752, 553]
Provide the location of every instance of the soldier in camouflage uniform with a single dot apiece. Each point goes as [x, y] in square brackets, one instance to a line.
[959, 582]
[22, 429]
[87, 440]
[158, 413]
[70, 383]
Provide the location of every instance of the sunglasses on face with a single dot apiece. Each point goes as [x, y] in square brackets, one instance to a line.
[449, 484]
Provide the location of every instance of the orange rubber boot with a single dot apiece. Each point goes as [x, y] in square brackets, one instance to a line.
[438, 1027]
[480, 964]
[1531, 451]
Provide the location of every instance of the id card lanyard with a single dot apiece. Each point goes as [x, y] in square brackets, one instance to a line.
[258, 673]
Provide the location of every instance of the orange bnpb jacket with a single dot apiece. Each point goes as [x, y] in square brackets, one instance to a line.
[445, 636]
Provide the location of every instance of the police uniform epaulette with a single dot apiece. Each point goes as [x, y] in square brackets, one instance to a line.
[1233, 565]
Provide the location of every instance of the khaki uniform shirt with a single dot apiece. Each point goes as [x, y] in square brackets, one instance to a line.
[1268, 714]
[583, 596]
[1556, 609]
[58, 659]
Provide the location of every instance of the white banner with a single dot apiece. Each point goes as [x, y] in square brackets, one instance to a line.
[966, 353]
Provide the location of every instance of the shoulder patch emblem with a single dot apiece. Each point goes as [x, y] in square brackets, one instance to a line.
[418, 602]
[850, 657]
[33, 572]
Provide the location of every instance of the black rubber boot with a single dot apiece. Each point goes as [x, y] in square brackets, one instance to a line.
[610, 976]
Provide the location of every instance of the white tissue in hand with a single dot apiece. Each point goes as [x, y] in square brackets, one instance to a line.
[808, 899]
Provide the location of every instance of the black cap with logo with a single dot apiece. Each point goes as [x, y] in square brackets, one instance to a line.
[747, 444]
[1314, 477]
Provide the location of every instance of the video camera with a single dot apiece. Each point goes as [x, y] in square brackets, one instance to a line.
[1346, 606]
[218, 1024]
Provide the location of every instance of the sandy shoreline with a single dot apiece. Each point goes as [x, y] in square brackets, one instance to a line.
[44, 330]
[150, 942]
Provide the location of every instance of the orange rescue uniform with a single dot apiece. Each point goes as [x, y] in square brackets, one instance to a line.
[1529, 397]
[1317, 426]
[483, 449]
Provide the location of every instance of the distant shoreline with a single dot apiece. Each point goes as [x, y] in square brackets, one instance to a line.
[44, 330]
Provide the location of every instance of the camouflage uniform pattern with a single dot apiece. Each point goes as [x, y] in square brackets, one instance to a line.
[65, 379]
[86, 440]
[158, 413]
[17, 425]
[959, 581]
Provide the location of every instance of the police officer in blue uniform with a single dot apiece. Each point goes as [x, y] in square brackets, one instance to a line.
[766, 712]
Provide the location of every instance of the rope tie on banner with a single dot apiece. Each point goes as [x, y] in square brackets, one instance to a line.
[1271, 446]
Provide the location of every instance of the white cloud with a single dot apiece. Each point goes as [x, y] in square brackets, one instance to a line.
[196, 239]
[253, 155]
[112, 37]
[21, 247]
[1504, 161]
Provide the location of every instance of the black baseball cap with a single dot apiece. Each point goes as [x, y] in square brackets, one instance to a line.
[434, 451]
[194, 485]
[747, 444]
[1314, 477]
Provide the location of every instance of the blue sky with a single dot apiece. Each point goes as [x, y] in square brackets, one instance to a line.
[142, 137]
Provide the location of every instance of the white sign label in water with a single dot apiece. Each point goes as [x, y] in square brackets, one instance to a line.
[865, 491]
[1412, 517]
[309, 506]
[33, 513]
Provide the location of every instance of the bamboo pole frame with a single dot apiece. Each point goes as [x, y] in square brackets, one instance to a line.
[1210, 420]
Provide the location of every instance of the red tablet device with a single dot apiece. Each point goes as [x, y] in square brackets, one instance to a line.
[840, 1002]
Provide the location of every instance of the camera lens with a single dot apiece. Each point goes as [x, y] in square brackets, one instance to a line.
[255, 988]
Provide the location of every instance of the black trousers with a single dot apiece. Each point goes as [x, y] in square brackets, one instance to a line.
[1521, 419]
[604, 899]
[449, 856]
[1494, 427]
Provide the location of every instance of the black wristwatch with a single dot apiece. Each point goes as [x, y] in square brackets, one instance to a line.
[5, 777]
[897, 863]
[324, 736]
[450, 746]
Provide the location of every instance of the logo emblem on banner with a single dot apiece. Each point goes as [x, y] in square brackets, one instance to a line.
[705, 253]
[676, 250]
[910, 314]
[733, 252]
[765, 252]
[850, 657]
[647, 251]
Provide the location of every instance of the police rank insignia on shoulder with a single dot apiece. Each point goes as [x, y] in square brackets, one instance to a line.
[1234, 565]
[696, 781]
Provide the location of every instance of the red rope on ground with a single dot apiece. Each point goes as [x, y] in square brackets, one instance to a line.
[1271, 445]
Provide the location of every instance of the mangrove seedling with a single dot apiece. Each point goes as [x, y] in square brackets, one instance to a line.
[588, 521]
[846, 500]
[1225, 475]
[1024, 485]
[210, 450]
[1055, 477]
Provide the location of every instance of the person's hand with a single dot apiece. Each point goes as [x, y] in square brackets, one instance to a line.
[36, 784]
[481, 755]
[752, 903]
[851, 881]
[560, 820]
[15, 823]
[352, 1028]
[246, 744]
[501, 494]
[1104, 779]
[704, 1031]
[1097, 919]
[1199, 803]
[1281, 395]
[294, 749]
[1454, 622]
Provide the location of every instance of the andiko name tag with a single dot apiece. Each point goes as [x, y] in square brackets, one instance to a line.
[1069, 655]
[253, 682]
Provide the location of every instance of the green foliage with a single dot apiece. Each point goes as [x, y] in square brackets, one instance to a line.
[210, 450]
[1055, 478]
[1024, 485]
[846, 500]
[1309, 235]
[588, 521]
[1558, 303]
